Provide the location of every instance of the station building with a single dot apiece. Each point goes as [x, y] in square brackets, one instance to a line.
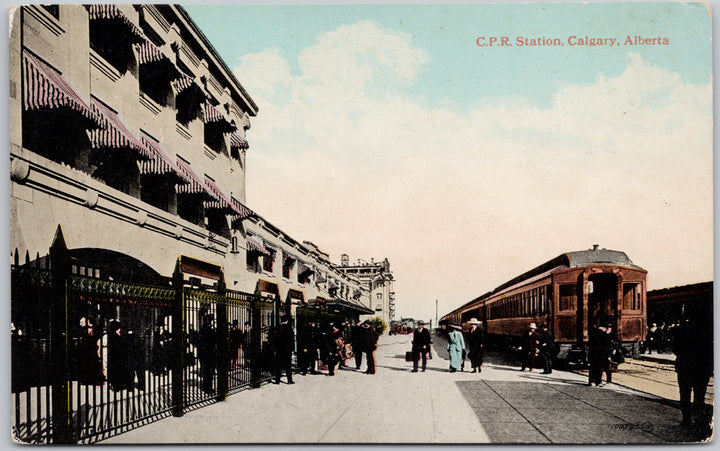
[130, 133]
[377, 278]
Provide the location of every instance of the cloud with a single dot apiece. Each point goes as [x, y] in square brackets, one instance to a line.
[461, 201]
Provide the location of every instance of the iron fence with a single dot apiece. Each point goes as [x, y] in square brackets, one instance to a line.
[92, 358]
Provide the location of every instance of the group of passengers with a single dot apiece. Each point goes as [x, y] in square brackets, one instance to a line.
[323, 347]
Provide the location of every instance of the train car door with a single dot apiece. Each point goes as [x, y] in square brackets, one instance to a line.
[602, 299]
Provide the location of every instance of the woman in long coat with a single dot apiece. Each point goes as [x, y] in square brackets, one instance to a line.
[456, 345]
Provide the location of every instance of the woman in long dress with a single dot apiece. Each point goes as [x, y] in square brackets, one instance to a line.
[456, 345]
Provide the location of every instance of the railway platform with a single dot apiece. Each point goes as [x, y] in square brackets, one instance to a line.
[499, 405]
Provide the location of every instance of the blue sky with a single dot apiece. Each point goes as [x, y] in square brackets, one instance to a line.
[385, 131]
[460, 72]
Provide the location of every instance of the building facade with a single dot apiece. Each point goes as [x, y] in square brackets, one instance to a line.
[378, 280]
[130, 133]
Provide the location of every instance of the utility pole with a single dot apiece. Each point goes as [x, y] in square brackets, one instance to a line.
[436, 313]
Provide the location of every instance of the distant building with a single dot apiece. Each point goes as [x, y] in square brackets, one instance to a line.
[377, 278]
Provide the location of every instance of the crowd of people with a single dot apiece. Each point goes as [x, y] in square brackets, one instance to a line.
[659, 338]
[322, 348]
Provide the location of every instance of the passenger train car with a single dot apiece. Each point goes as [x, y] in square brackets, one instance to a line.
[570, 293]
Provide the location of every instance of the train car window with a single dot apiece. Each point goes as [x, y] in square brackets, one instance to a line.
[631, 296]
[568, 297]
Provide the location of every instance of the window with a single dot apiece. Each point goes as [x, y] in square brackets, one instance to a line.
[269, 261]
[288, 263]
[234, 247]
[253, 264]
[568, 297]
[379, 296]
[631, 296]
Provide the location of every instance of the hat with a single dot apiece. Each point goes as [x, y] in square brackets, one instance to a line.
[421, 322]
[533, 326]
[544, 325]
[474, 321]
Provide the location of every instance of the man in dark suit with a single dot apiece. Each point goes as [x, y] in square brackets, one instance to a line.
[370, 345]
[282, 343]
[420, 346]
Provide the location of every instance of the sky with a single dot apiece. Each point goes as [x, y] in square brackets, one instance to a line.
[386, 131]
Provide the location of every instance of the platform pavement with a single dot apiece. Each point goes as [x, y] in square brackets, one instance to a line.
[499, 405]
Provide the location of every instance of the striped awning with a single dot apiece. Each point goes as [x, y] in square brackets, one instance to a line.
[160, 164]
[46, 88]
[191, 183]
[236, 142]
[114, 134]
[212, 114]
[216, 117]
[150, 53]
[221, 201]
[255, 244]
[183, 83]
[112, 12]
[241, 211]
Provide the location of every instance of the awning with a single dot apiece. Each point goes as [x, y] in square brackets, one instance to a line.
[160, 164]
[263, 286]
[46, 88]
[255, 244]
[220, 201]
[236, 142]
[191, 182]
[241, 211]
[114, 134]
[112, 12]
[296, 294]
[303, 268]
[213, 116]
[182, 83]
[321, 302]
[347, 305]
[190, 265]
[149, 53]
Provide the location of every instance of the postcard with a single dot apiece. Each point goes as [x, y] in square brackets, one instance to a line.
[367, 223]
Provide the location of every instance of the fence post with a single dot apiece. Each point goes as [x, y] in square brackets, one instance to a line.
[60, 262]
[178, 343]
[222, 340]
[255, 338]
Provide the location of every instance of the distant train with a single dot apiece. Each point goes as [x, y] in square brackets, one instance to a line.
[570, 293]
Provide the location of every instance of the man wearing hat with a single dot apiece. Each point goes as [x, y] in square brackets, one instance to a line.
[420, 346]
[476, 345]
[529, 347]
[370, 345]
[547, 347]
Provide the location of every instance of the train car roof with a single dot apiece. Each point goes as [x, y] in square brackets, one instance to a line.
[593, 256]
[574, 259]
